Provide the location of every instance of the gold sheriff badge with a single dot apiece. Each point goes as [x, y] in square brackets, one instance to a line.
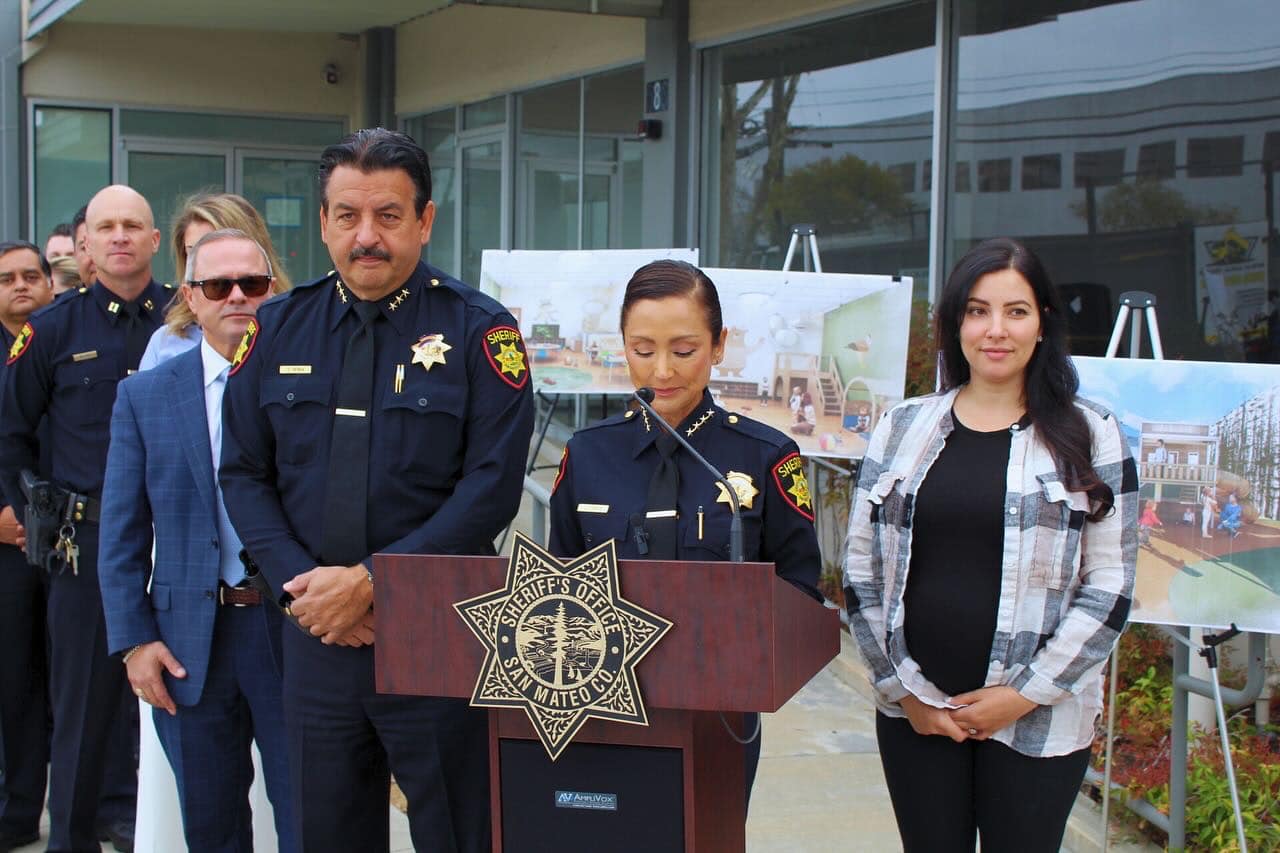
[561, 642]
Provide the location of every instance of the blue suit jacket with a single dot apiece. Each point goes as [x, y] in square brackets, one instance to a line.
[160, 472]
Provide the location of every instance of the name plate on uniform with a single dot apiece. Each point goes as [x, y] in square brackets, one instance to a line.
[561, 642]
[295, 370]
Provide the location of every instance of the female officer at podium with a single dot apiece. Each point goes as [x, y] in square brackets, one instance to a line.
[991, 554]
[627, 479]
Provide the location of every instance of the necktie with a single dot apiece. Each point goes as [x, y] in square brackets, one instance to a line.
[664, 489]
[136, 335]
[345, 539]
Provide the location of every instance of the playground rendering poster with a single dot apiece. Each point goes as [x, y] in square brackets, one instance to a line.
[819, 356]
[1206, 437]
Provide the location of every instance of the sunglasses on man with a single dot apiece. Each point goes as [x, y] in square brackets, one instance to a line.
[218, 289]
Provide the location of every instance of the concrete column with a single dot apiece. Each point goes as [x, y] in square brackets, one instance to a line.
[379, 77]
[11, 159]
[666, 161]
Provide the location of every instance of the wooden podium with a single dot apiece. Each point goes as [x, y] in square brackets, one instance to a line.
[743, 640]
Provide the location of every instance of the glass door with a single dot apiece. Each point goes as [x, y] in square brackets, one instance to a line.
[165, 175]
[484, 214]
[282, 186]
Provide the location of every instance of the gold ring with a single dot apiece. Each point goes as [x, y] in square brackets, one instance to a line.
[973, 731]
[138, 692]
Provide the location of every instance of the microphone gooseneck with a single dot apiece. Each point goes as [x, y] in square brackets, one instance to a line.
[644, 396]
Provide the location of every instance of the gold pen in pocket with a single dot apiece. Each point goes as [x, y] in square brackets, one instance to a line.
[399, 378]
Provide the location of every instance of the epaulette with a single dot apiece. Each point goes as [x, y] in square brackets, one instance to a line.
[611, 421]
[755, 429]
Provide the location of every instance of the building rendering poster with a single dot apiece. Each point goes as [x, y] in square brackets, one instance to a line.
[819, 356]
[1206, 437]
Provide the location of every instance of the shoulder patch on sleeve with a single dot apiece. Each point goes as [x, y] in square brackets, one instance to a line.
[793, 485]
[564, 463]
[504, 348]
[245, 348]
[25, 335]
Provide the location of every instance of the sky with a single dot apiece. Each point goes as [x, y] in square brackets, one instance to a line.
[1171, 391]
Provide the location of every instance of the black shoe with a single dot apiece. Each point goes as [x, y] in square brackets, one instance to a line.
[120, 834]
[10, 840]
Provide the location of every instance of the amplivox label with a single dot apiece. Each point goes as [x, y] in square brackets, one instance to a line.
[586, 800]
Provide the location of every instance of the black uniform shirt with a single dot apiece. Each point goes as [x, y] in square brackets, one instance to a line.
[65, 364]
[603, 486]
[448, 442]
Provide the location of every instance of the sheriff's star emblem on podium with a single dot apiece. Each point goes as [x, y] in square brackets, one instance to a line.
[561, 642]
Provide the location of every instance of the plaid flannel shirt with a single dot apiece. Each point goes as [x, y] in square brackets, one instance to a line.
[1066, 583]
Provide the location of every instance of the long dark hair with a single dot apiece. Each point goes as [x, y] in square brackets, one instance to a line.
[1050, 382]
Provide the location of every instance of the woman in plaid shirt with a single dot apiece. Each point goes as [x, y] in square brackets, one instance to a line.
[992, 543]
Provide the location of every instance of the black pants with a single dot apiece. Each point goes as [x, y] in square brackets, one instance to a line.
[946, 793]
[345, 741]
[24, 709]
[86, 687]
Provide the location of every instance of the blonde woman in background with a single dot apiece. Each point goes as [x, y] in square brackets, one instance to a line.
[66, 275]
[200, 214]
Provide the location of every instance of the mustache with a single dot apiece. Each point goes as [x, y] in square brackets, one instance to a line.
[371, 252]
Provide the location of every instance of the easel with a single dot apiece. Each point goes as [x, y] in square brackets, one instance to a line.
[1183, 683]
[807, 238]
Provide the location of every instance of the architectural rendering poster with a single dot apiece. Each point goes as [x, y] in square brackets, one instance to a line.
[1231, 274]
[819, 356]
[1206, 437]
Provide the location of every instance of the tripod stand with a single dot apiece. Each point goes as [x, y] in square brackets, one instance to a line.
[805, 236]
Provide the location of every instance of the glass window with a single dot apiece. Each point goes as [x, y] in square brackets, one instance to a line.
[1170, 189]
[613, 163]
[547, 146]
[1099, 168]
[72, 162]
[962, 176]
[813, 125]
[485, 113]
[1215, 157]
[1157, 160]
[1042, 172]
[437, 134]
[206, 127]
[995, 176]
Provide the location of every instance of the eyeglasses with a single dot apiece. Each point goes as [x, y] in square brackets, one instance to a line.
[218, 289]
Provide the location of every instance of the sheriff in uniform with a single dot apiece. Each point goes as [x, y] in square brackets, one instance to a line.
[64, 364]
[625, 479]
[383, 408]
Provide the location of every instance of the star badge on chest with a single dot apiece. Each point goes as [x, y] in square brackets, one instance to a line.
[429, 350]
[743, 486]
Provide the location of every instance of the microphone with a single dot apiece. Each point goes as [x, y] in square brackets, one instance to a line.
[644, 396]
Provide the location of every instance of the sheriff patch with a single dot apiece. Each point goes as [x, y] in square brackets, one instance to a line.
[506, 353]
[793, 485]
[246, 347]
[25, 336]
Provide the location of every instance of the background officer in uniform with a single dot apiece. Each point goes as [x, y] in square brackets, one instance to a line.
[626, 479]
[383, 408]
[24, 714]
[65, 366]
[84, 258]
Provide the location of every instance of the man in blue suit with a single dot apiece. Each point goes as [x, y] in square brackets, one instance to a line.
[200, 645]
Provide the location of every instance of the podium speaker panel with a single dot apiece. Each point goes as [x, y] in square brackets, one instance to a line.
[593, 797]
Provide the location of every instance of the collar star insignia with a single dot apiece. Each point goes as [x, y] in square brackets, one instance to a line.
[429, 350]
[743, 486]
[561, 642]
[699, 422]
[342, 293]
[399, 298]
